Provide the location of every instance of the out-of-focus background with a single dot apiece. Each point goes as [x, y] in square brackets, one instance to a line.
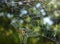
[29, 21]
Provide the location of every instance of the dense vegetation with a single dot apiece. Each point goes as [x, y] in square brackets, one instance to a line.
[35, 22]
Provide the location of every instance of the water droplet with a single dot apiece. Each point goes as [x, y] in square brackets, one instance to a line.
[9, 15]
[38, 5]
[23, 11]
[12, 3]
[20, 3]
[42, 10]
[43, 13]
[47, 21]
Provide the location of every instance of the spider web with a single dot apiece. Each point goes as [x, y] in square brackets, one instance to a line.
[30, 33]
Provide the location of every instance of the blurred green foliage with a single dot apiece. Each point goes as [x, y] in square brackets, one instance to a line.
[32, 18]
